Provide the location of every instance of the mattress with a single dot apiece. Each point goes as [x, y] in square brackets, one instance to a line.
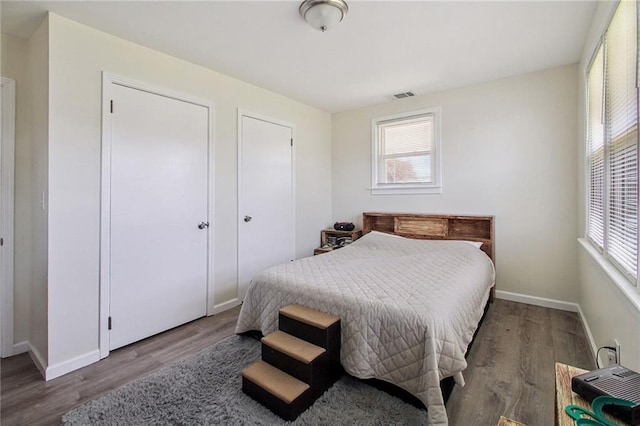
[408, 308]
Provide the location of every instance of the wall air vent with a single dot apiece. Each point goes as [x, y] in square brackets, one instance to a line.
[403, 95]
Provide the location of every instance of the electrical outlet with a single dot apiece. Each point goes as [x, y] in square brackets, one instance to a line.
[613, 353]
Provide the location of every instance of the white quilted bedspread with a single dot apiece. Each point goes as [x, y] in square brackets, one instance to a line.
[408, 308]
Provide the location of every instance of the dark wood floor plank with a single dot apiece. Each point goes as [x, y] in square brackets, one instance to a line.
[26, 399]
[569, 338]
[536, 359]
[511, 365]
[510, 372]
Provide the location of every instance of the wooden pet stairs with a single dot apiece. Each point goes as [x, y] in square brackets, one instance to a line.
[299, 362]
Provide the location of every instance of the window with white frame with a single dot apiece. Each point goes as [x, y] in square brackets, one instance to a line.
[612, 142]
[406, 153]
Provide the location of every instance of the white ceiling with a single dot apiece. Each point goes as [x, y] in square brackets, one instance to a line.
[381, 48]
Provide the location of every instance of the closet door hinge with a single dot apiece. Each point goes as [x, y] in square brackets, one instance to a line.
[291, 141]
[109, 324]
[111, 106]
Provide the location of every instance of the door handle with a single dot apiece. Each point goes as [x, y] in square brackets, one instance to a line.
[247, 218]
[203, 225]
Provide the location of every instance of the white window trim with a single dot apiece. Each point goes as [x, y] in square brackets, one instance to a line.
[436, 152]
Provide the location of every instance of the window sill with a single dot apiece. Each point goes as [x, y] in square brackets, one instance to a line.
[408, 189]
[617, 277]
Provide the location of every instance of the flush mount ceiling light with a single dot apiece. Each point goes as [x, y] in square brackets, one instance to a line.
[323, 14]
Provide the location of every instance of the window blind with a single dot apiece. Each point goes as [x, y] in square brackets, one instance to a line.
[622, 137]
[595, 150]
[405, 151]
[612, 142]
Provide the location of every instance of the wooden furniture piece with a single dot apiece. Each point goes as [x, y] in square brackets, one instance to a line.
[505, 421]
[565, 396]
[433, 227]
[300, 361]
[326, 233]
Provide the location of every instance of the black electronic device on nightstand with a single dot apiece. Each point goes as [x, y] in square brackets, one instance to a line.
[617, 381]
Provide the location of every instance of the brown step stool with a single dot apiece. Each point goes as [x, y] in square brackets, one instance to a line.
[299, 362]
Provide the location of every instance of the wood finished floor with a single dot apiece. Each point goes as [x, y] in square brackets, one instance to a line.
[511, 365]
[511, 368]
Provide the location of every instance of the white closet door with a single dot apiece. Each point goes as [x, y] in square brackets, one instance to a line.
[159, 163]
[266, 226]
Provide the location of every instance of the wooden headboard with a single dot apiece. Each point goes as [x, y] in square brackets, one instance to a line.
[433, 227]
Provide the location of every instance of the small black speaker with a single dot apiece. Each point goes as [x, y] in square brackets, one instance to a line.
[344, 226]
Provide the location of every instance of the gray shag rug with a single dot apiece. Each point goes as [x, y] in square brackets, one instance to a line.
[206, 389]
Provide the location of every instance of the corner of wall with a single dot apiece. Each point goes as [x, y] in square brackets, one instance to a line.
[59, 369]
[38, 77]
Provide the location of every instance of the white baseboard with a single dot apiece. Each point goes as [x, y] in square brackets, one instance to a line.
[72, 364]
[225, 306]
[20, 348]
[37, 359]
[538, 301]
[554, 304]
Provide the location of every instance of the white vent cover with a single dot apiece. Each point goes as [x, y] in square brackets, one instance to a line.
[403, 95]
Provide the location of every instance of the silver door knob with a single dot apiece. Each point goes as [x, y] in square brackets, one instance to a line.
[247, 218]
[203, 225]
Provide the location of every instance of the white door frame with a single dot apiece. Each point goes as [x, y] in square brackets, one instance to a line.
[108, 80]
[6, 215]
[244, 113]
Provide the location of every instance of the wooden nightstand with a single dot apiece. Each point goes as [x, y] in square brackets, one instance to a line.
[321, 250]
[328, 238]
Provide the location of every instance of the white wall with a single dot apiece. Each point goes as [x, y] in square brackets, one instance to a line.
[38, 75]
[509, 151]
[77, 56]
[607, 311]
[14, 66]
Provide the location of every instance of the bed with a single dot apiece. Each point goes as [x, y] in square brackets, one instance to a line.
[410, 293]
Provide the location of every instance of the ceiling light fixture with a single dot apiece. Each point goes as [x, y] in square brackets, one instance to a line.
[323, 14]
